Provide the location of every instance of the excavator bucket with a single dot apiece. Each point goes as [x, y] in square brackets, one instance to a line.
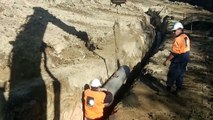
[118, 2]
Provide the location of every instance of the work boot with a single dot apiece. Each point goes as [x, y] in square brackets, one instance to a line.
[177, 91]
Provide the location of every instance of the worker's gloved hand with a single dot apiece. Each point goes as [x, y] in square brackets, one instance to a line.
[165, 63]
[103, 89]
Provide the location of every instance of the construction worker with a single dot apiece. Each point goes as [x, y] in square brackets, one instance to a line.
[95, 100]
[179, 57]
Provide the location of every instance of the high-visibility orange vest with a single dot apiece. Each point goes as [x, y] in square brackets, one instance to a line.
[181, 44]
[94, 103]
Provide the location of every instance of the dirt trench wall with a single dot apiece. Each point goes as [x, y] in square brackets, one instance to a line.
[45, 57]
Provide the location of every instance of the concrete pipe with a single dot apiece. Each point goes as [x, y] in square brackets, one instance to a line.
[117, 79]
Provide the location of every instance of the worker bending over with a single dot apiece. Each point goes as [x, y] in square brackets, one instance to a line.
[179, 57]
[95, 100]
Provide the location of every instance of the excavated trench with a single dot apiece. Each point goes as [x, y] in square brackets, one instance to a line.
[138, 69]
[131, 79]
[198, 31]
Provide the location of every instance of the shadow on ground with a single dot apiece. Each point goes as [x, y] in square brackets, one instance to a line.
[28, 91]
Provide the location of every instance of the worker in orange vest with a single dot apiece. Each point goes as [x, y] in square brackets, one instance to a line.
[95, 100]
[179, 57]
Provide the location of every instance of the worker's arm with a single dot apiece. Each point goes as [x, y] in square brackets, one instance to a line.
[175, 50]
[169, 58]
[108, 99]
[103, 89]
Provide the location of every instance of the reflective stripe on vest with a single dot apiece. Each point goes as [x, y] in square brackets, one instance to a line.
[94, 103]
[181, 44]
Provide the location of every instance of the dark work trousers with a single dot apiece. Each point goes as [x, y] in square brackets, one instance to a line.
[176, 73]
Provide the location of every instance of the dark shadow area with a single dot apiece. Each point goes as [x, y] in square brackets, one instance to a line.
[2, 101]
[206, 4]
[201, 26]
[160, 28]
[160, 89]
[28, 95]
[56, 86]
[152, 82]
[184, 105]
[131, 100]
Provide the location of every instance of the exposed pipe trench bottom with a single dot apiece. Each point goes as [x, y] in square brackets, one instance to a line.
[122, 80]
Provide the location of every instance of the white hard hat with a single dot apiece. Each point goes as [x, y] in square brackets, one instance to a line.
[177, 26]
[96, 83]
